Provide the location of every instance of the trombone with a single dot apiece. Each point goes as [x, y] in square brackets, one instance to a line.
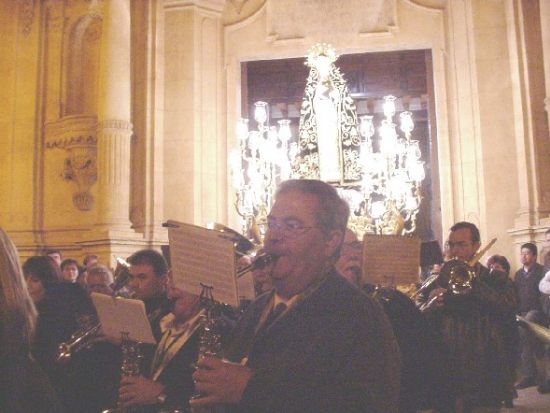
[460, 275]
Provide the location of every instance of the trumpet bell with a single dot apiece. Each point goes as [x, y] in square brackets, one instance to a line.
[242, 244]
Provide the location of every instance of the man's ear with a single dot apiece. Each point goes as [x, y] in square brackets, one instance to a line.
[333, 242]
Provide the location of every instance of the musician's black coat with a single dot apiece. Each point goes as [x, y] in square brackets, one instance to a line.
[334, 351]
[177, 375]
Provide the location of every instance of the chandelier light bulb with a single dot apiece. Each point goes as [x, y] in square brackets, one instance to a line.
[260, 112]
[406, 122]
[389, 106]
[242, 129]
[366, 127]
[284, 130]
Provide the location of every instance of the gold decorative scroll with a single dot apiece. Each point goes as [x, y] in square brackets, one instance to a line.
[390, 260]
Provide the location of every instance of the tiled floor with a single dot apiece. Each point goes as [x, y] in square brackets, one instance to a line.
[530, 401]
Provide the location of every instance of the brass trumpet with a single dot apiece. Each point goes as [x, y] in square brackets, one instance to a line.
[85, 336]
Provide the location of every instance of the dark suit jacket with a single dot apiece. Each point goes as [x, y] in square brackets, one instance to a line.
[177, 376]
[334, 351]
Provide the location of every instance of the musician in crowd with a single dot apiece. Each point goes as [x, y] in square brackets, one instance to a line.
[169, 383]
[24, 387]
[99, 279]
[421, 351]
[471, 327]
[350, 262]
[89, 261]
[315, 343]
[55, 255]
[69, 269]
[148, 280]
[61, 306]
[527, 281]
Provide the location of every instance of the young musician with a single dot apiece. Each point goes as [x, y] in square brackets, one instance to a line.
[148, 280]
[471, 326]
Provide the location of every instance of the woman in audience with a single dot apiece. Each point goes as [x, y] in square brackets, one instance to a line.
[23, 385]
[61, 308]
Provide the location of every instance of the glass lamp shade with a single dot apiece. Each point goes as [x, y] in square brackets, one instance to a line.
[406, 122]
[389, 106]
[242, 129]
[284, 130]
[260, 112]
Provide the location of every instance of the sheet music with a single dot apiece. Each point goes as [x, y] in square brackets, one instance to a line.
[201, 255]
[390, 260]
[245, 285]
[118, 315]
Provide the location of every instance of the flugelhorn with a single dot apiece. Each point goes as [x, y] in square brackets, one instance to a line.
[84, 336]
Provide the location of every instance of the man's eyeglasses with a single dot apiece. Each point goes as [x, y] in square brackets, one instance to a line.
[290, 228]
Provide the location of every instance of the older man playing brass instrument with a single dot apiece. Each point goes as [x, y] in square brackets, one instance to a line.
[315, 343]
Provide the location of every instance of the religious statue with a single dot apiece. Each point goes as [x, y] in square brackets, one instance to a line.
[329, 139]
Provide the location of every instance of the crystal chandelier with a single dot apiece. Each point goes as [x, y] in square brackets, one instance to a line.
[378, 174]
[389, 194]
[264, 159]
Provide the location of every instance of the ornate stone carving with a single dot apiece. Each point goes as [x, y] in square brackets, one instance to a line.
[238, 4]
[372, 17]
[77, 136]
[26, 15]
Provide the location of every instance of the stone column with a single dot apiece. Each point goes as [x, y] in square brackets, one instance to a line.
[114, 129]
[195, 148]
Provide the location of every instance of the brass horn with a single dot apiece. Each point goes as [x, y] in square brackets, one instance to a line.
[86, 335]
[461, 273]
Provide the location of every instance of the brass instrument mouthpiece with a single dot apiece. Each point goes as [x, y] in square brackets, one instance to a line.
[260, 262]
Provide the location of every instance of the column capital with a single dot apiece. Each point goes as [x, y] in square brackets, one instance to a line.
[117, 124]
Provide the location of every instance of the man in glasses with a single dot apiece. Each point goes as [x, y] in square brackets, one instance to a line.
[314, 343]
[471, 325]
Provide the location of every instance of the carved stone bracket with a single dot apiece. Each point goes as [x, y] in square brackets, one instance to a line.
[77, 136]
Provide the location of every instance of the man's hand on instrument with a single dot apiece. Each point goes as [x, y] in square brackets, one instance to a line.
[219, 382]
[436, 299]
[137, 391]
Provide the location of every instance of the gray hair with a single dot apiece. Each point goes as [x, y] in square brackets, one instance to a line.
[100, 269]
